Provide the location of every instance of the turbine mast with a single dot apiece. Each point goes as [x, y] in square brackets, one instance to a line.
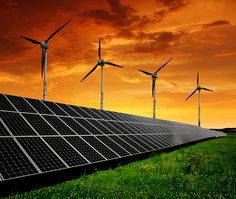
[102, 88]
[199, 109]
[45, 77]
[154, 101]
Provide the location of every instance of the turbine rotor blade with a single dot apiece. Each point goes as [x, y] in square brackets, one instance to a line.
[163, 66]
[57, 31]
[145, 72]
[191, 94]
[206, 89]
[43, 61]
[89, 72]
[112, 64]
[99, 48]
[31, 40]
[153, 86]
[197, 78]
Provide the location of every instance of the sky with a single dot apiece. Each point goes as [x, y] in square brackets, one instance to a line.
[199, 36]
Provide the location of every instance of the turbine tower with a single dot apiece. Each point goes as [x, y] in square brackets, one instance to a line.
[102, 63]
[44, 46]
[198, 88]
[154, 78]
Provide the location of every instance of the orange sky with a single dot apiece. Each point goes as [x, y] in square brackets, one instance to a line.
[199, 35]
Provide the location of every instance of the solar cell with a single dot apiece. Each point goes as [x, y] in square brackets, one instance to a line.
[14, 162]
[87, 125]
[124, 144]
[16, 124]
[79, 129]
[5, 104]
[53, 107]
[69, 110]
[3, 130]
[80, 111]
[102, 114]
[39, 106]
[141, 142]
[65, 151]
[103, 149]
[132, 143]
[115, 147]
[21, 104]
[111, 127]
[60, 126]
[84, 148]
[90, 112]
[39, 124]
[41, 154]
[100, 126]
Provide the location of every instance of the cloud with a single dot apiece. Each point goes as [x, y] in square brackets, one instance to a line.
[130, 80]
[168, 6]
[215, 23]
[119, 16]
[158, 42]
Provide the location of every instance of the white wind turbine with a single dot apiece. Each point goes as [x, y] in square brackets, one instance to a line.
[198, 88]
[44, 46]
[102, 63]
[154, 78]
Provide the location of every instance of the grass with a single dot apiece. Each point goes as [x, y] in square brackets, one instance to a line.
[204, 170]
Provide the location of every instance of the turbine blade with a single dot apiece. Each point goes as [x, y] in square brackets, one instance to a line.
[153, 86]
[109, 63]
[57, 31]
[163, 66]
[206, 89]
[145, 72]
[99, 48]
[43, 61]
[197, 78]
[191, 94]
[89, 72]
[30, 40]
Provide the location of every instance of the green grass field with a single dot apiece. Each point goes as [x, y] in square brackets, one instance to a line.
[204, 170]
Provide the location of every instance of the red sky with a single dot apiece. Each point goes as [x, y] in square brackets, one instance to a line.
[199, 35]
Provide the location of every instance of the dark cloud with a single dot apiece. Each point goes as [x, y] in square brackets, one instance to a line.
[11, 46]
[119, 16]
[168, 6]
[157, 42]
[215, 23]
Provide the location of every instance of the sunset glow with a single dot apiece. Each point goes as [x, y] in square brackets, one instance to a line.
[199, 35]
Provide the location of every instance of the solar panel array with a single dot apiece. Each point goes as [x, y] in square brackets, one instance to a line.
[38, 137]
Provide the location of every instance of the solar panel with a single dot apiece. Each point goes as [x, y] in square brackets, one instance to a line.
[5, 104]
[16, 123]
[54, 108]
[37, 137]
[14, 162]
[21, 104]
[41, 154]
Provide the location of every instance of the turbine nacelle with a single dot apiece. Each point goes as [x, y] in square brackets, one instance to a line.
[101, 62]
[44, 45]
[154, 76]
[198, 88]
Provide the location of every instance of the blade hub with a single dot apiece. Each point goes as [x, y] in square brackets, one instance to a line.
[44, 45]
[198, 87]
[154, 76]
[101, 62]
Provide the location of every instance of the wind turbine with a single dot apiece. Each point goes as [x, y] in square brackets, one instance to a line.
[102, 63]
[198, 88]
[154, 78]
[44, 46]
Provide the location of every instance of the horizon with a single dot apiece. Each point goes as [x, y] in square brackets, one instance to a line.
[136, 35]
